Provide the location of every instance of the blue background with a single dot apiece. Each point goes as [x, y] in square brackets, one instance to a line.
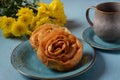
[106, 67]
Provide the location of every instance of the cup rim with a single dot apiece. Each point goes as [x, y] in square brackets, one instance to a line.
[118, 12]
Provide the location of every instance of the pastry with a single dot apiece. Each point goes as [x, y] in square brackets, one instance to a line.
[57, 48]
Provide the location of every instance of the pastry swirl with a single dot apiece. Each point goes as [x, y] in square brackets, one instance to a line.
[42, 31]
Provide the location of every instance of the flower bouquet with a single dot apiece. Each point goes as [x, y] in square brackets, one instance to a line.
[22, 17]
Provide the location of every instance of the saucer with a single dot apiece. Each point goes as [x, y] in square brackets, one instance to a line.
[90, 37]
[25, 61]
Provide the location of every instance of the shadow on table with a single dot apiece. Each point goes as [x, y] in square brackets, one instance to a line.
[95, 72]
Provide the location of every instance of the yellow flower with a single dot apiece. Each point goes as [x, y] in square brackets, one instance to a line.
[2, 20]
[6, 33]
[6, 25]
[34, 23]
[56, 5]
[19, 29]
[25, 19]
[25, 10]
[51, 13]
[43, 10]
[6, 22]
[43, 21]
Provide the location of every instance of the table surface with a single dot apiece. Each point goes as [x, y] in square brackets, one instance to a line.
[106, 67]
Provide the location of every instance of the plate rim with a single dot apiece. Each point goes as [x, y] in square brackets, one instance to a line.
[96, 46]
[60, 77]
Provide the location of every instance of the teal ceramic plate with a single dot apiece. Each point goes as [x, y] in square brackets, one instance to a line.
[25, 61]
[90, 37]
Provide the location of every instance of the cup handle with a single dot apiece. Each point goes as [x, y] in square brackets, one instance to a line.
[87, 15]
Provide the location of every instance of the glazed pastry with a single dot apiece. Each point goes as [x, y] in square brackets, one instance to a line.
[58, 49]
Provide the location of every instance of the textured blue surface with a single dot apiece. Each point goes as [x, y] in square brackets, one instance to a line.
[107, 65]
[25, 61]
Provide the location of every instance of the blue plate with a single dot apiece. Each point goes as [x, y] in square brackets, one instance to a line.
[25, 61]
[90, 37]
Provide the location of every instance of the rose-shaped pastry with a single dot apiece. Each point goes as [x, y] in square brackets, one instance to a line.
[60, 50]
[42, 31]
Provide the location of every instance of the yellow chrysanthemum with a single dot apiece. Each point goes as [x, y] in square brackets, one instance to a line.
[6, 33]
[43, 10]
[56, 5]
[43, 21]
[55, 12]
[23, 11]
[25, 19]
[7, 23]
[34, 23]
[41, 4]
[19, 29]
[2, 20]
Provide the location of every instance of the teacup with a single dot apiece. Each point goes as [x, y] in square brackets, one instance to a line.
[106, 23]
